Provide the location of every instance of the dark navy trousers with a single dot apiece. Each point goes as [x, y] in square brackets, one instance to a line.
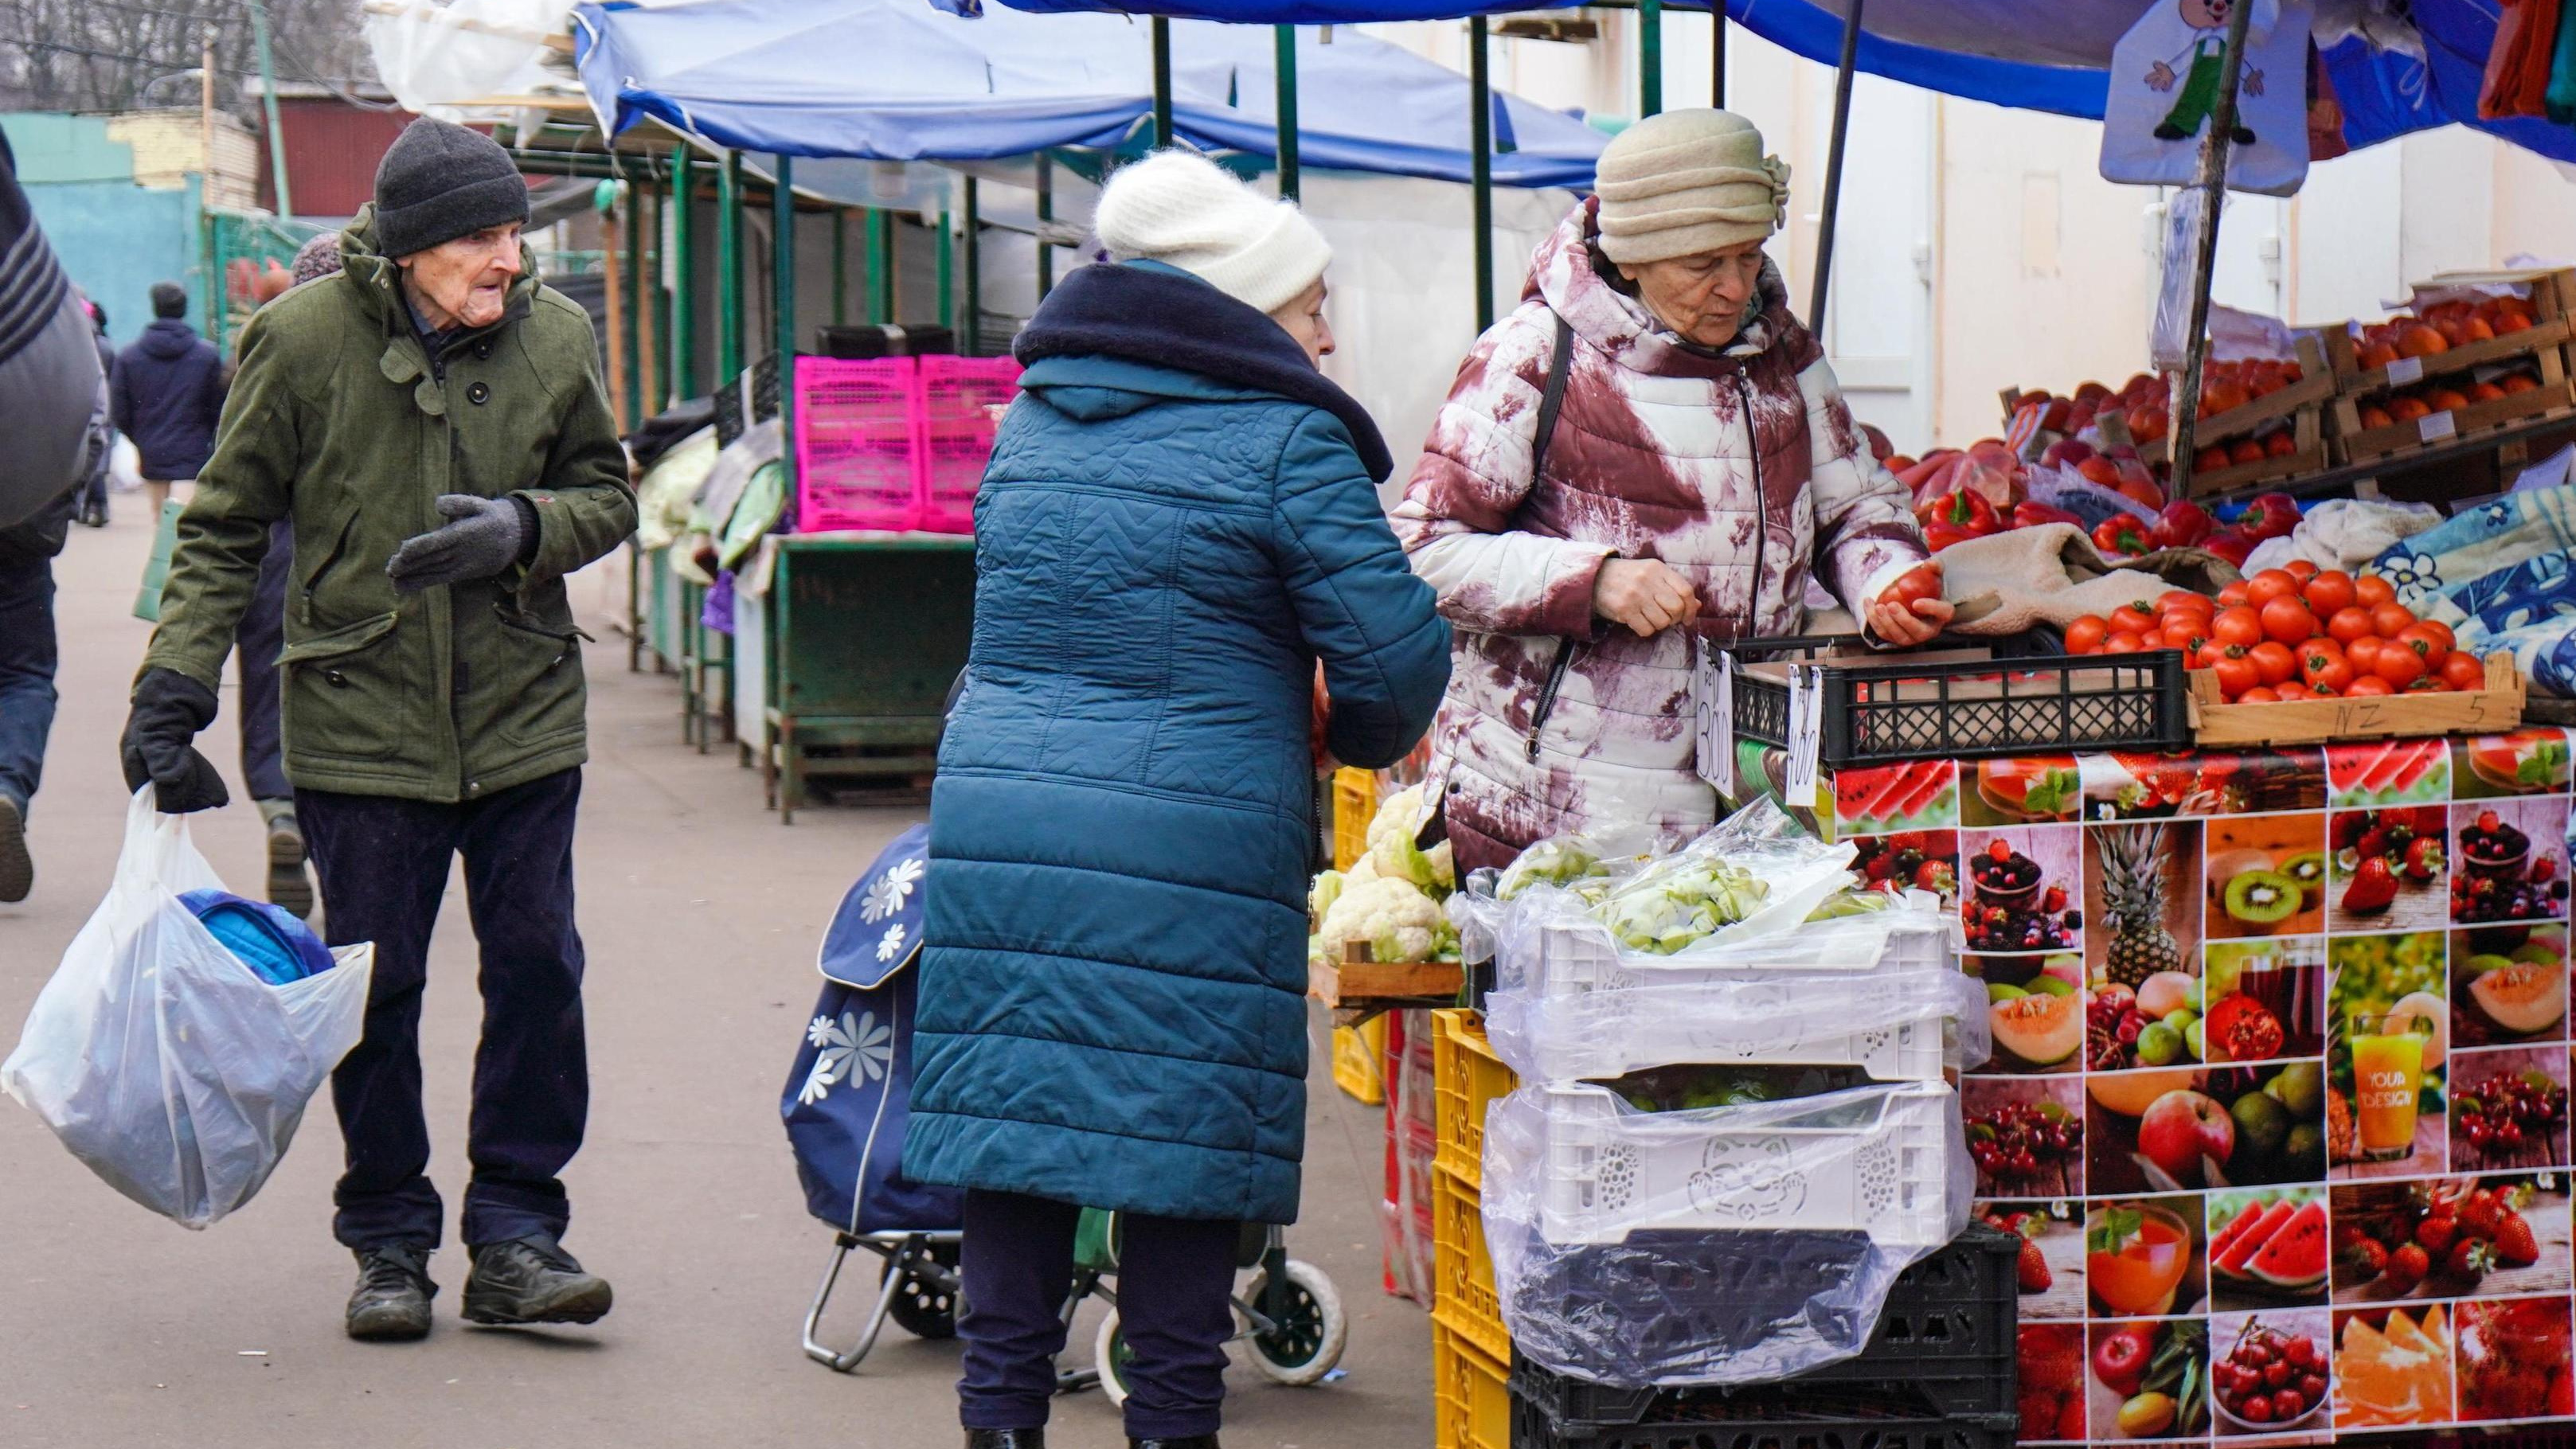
[1175, 1283]
[384, 866]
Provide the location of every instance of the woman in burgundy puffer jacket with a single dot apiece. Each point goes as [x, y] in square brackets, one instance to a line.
[1700, 466]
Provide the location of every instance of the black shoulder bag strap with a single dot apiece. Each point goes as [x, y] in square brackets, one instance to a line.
[1551, 401]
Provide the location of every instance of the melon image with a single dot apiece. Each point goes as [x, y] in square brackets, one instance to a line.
[2293, 1257]
[2131, 1093]
[2435, 1013]
[2231, 1259]
[2225, 1237]
[2040, 1029]
[2522, 999]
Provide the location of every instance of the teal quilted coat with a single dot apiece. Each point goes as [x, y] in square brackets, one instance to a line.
[1112, 993]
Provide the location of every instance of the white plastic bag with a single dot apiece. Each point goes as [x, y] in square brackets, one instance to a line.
[159, 1058]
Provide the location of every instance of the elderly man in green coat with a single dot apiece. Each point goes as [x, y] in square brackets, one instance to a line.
[431, 424]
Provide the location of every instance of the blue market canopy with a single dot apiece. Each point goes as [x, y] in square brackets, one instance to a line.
[898, 80]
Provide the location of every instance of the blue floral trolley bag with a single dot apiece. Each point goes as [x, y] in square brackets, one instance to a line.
[846, 1103]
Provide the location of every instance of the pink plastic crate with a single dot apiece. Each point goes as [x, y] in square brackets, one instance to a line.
[857, 444]
[968, 386]
[961, 404]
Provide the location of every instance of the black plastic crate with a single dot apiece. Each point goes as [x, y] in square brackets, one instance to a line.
[1947, 1334]
[1845, 1419]
[731, 420]
[1906, 710]
[861, 342]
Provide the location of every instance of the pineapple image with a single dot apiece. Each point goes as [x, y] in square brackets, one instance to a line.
[2133, 896]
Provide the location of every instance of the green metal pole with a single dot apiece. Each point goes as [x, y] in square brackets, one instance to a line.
[1046, 213]
[1287, 67]
[1650, 57]
[631, 324]
[948, 274]
[729, 269]
[683, 370]
[1162, 30]
[873, 255]
[971, 336]
[888, 304]
[782, 277]
[840, 265]
[268, 103]
[1480, 131]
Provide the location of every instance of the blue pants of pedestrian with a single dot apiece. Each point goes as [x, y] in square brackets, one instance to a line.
[27, 657]
[256, 642]
[384, 865]
[1175, 1280]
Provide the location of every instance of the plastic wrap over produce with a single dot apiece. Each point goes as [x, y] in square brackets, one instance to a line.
[1720, 1245]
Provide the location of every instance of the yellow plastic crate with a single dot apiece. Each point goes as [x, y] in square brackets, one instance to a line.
[1465, 1076]
[1465, 1303]
[1471, 1396]
[1354, 806]
[1358, 1055]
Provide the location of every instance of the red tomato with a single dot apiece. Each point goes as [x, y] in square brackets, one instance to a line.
[2182, 632]
[2231, 595]
[1920, 583]
[2129, 618]
[2291, 689]
[2239, 625]
[2259, 694]
[2439, 633]
[2173, 601]
[2398, 665]
[2273, 660]
[2463, 670]
[2364, 653]
[2329, 593]
[2288, 621]
[2390, 620]
[2124, 642]
[2366, 684]
[2236, 674]
[2268, 585]
[2370, 591]
[2086, 634]
[2349, 623]
[2300, 569]
[2324, 671]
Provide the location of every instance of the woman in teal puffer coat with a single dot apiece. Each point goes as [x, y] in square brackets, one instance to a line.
[1180, 519]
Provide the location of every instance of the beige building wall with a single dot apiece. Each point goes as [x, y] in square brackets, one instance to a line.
[170, 145]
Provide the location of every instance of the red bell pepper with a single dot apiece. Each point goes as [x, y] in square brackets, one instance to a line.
[2027, 514]
[1968, 512]
[2181, 524]
[2121, 533]
[2269, 515]
[1938, 536]
[2230, 545]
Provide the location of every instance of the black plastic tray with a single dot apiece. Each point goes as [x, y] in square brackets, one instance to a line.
[1847, 1420]
[2019, 706]
[730, 421]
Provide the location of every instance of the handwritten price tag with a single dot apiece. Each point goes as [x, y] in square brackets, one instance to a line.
[2405, 370]
[2437, 426]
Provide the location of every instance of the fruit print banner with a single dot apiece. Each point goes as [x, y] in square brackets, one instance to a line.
[2279, 1096]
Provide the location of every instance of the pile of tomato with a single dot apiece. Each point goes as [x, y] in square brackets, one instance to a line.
[2295, 632]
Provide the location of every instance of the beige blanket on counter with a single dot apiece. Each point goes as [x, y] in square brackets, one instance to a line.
[2052, 574]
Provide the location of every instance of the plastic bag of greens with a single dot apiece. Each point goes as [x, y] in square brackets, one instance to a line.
[173, 1066]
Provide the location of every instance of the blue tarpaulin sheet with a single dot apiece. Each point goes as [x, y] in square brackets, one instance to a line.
[2047, 55]
[898, 80]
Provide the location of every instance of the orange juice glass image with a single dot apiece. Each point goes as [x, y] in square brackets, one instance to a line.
[2387, 1072]
[2139, 1277]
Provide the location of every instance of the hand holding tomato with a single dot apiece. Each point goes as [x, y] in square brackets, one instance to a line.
[1910, 611]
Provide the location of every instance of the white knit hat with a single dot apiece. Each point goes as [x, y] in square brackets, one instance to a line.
[1687, 182]
[1181, 209]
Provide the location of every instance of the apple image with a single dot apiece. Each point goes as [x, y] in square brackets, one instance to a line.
[2182, 1127]
[2120, 1360]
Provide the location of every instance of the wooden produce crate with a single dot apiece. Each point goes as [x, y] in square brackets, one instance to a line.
[2552, 294]
[1359, 985]
[2491, 710]
[2315, 385]
[2355, 443]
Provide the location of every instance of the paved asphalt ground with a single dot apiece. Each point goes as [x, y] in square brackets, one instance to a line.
[702, 915]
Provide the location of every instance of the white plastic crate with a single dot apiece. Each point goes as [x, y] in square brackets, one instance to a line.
[1610, 1171]
[1567, 953]
[1613, 1033]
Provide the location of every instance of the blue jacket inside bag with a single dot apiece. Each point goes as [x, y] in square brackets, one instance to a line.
[845, 1103]
[270, 940]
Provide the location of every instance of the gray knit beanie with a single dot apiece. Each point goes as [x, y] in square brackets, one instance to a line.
[319, 257]
[440, 181]
[1687, 182]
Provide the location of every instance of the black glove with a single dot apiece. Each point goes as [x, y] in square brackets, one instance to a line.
[169, 709]
[488, 535]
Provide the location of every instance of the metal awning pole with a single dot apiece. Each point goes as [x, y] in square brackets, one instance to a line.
[728, 268]
[1162, 30]
[684, 277]
[970, 338]
[632, 295]
[1834, 170]
[268, 104]
[782, 280]
[1287, 66]
[2211, 182]
[946, 272]
[840, 265]
[1650, 57]
[1480, 139]
[1717, 54]
[874, 253]
[1046, 214]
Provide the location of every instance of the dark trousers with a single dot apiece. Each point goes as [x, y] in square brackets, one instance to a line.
[27, 657]
[256, 642]
[1175, 1280]
[384, 865]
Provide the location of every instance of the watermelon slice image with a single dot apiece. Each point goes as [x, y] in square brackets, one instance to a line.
[2348, 765]
[1863, 795]
[2219, 1241]
[1935, 779]
[2253, 1240]
[2293, 1256]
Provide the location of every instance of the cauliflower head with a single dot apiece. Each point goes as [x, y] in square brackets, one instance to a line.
[1391, 834]
[1392, 917]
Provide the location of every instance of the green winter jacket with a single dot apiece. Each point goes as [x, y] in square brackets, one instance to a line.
[340, 420]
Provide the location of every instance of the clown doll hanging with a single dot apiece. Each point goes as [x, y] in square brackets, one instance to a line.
[2167, 77]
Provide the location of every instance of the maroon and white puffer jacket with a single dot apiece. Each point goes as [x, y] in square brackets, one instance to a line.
[1743, 471]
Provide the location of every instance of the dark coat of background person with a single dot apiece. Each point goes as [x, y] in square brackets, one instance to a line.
[169, 395]
[1176, 524]
[48, 365]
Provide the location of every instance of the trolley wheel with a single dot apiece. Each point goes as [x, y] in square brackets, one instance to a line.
[1311, 1331]
[925, 1309]
[1110, 1356]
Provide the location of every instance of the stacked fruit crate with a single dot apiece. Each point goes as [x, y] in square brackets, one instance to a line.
[1471, 1350]
[2481, 352]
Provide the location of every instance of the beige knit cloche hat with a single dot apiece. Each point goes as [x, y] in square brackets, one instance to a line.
[1687, 182]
